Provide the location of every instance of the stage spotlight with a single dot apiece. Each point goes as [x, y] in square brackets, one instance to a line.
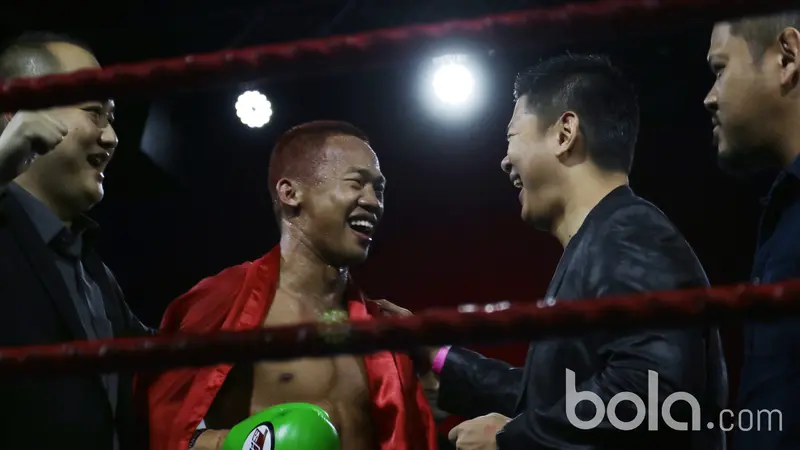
[453, 82]
[253, 109]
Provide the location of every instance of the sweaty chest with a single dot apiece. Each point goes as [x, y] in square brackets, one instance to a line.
[308, 378]
[338, 380]
[339, 385]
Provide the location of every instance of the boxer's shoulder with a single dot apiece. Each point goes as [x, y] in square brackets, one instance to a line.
[211, 297]
[227, 280]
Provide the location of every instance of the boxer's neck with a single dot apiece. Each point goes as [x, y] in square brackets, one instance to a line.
[304, 274]
[582, 192]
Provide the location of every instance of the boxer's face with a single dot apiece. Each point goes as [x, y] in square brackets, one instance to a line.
[532, 164]
[343, 204]
[743, 101]
[72, 173]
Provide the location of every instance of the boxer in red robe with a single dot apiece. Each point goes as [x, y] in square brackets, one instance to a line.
[327, 191]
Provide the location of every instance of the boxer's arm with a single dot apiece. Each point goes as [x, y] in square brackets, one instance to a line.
[641, 252]
[471, 385]
[206, 439]
[209, 440]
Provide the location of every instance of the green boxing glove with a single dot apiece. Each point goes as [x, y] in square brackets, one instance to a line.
[290, 426]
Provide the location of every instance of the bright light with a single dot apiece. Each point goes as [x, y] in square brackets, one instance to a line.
[253, 109]
[453, 82]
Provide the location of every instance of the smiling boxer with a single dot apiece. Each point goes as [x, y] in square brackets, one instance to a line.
[327, 191]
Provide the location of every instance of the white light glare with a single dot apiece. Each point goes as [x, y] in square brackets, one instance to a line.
[253, 109]
[453, 82]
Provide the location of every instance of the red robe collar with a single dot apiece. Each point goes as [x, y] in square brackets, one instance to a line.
[239, 298]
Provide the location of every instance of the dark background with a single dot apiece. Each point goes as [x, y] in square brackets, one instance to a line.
[196, 200]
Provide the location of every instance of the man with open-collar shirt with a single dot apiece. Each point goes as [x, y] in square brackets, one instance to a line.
[53, 285]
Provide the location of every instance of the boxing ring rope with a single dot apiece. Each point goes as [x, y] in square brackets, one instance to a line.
[505, 322]
[548, 25]
[499, 323]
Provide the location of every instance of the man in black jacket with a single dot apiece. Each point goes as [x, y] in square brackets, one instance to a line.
[53, 285]
[570, 147]
[755, 108]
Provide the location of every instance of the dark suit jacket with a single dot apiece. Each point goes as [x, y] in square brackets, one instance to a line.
[625, 245]
[769, 386]
[57, 411]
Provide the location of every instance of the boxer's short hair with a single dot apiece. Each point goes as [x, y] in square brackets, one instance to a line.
[762, 31]
[294, 153]
[597, 92]
[18, 53]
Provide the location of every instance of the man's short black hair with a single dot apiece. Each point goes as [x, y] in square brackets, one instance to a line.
[597, 92]
[27, 54]
[762, 31]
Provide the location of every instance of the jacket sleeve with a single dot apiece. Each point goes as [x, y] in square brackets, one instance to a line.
[471, 385]
[135, 326]
[641, 251]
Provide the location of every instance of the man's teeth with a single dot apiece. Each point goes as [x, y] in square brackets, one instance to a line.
[362, 224]
[518, 183]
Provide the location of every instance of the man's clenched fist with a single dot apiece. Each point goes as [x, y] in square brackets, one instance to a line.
[27, 134]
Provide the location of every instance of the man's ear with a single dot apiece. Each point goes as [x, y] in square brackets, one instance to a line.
[789, 41]
[566, 129]
[289, 193]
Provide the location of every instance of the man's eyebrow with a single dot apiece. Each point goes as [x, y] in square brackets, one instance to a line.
[511, 130]
[105, 104]
[366, 173]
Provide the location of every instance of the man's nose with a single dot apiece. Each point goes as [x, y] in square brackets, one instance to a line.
[108, 138]
[505, 164]
[370, 201]
[710, 102]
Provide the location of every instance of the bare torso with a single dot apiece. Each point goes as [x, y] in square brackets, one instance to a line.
[338, 385]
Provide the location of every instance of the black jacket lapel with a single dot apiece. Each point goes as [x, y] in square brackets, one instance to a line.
[111, 301]
[42, 262]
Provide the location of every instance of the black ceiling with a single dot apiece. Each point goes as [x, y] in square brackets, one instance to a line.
[446, 171]
[129, 31]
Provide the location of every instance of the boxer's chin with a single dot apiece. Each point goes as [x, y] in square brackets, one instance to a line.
[356, 255]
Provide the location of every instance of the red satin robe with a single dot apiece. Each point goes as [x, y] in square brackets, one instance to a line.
[238, 298]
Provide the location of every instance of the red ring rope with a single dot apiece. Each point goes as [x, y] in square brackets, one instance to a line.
[522, 321]
[545, 25]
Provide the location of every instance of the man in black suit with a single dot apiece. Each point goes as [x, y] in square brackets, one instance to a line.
[570, 148]
[53, 285]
